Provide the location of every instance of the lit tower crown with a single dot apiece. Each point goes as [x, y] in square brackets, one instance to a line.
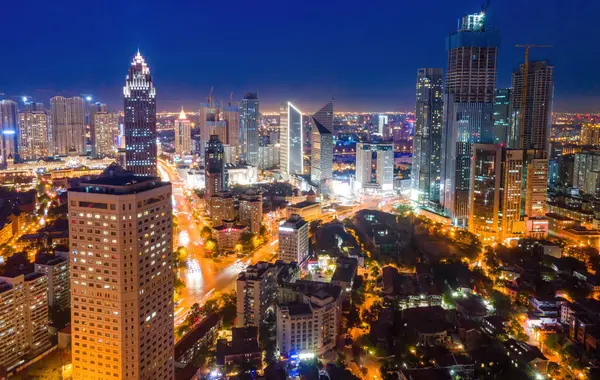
[182, 115]
[140, 119]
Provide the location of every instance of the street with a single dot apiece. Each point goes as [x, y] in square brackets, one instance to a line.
[209, 276]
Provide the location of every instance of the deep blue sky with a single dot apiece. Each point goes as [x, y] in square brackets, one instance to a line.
[365, 52]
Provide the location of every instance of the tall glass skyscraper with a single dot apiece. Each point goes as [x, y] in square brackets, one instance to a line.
[321, 165]
[140, 119]
[249, 124]
[290, 132]
[9, 143]
[502, 115]
[427, 140]
[468, 109]
[214, 167]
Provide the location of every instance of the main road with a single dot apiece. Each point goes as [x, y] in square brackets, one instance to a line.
[203, 276]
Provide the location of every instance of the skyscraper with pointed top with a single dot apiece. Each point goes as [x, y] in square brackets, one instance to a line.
[321, 166]
[183, 134]
[139, 125]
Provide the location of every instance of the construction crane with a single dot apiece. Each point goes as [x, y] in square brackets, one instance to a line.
[485, 6]
[230, 98]
[524, 89]
[210, 97]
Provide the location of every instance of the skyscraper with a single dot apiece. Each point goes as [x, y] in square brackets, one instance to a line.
[249, 124]
[122, 285]
[374, 168]
[325, 116]
[9, 142]
[290, 131]
[231, 116]
[68, 125]
[33, 132]
[92, 109]
[468, 108]
[502, 115]
[533, 129]
[106, 131]
[321, 168]
[486, 179]
[427, 140]
[214, 167]
[183, 134]
[139, 125]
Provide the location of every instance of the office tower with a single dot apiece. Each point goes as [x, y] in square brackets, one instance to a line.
[427, 140]
[33, 132]
[139, 125]
[468, 109]
[231, 116]
[68, 125]
[486, 179]
[532, 130]
[268, 156]
[106, 131]
[9, 143]
[293, 240]
[121, 274]
[308, 315]
[210, 123]
[590, 134]
[291, 158]
[325, 116]
[92, 109]
[374, 168]
[256, 290]
[536, 183]
[251, 210]
[249, 127]
[382, 123]
[56, 269]
[513, 162]
[321, 168]
[502, 115]
[214, 167]
[183, 134]
[23, 316]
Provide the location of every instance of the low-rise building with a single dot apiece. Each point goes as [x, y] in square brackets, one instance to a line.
[203, 335]
[240, 174]
[228, 235]
[308, 209]
[242, 350]
[526, 356]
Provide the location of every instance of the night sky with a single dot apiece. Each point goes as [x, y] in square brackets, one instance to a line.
[365, 53]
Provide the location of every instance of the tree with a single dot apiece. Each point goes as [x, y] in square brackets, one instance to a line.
[206, 232]
[502, 303]
[551, 342]
[210, 245]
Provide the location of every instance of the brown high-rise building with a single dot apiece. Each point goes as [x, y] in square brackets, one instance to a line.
[532, 130]
[121, 277]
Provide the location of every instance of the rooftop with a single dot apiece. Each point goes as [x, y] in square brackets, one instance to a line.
[196, 334]
[116, 180]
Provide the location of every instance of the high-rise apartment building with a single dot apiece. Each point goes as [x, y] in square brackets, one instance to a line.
[23, 316]
[33, 132]
[9, 139]
[586, 163]
[249, 128]
[68, 125]
[535, 183]
[321, 170]
[183, 134]
[268, 156]
[256, 292]
[291, 158]
[56, 270]
[293, 240]
[106, 131]
[502, 115]
[427, 140]
[513, 162]
[214, 167]
[121, 277]
[374, 167]
[221, 208]
[251, 210]
[92, 109]
[468, 109]
[590, 134]
[531, 106]
[139, 125]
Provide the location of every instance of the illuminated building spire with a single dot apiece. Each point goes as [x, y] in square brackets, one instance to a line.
[182, 114]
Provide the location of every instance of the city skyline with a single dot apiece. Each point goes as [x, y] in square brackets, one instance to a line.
[390, 86]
